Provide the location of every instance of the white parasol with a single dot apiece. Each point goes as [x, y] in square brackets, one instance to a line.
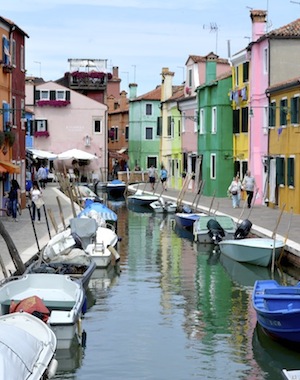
[76, 154]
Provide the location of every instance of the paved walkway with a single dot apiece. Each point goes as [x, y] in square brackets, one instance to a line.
[265, 221]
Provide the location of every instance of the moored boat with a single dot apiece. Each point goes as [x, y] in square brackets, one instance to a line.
[163, 206]
[101, 209]
[292, 374]
[256, 251]
[140, 198]
[115, 188]
[63, 297]
[278, 310]
[212, 229]
[186, 220]
[27, 348]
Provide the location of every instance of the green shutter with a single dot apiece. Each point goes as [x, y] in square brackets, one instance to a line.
[280, 171]
[291, 171]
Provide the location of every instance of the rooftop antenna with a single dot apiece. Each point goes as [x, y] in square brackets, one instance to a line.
[213, 27]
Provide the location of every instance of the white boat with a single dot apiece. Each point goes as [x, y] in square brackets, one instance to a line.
[63, 297]
[163, 206]
[293, 374]
[97, 240]
[141, 198]
[212, 229]
[257, 251]
[27, 348]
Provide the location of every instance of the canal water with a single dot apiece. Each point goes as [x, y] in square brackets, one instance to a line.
[172, 309]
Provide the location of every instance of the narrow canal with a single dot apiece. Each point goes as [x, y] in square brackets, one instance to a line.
[173, 310]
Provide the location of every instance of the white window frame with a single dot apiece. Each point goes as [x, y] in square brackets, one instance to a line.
[266, 60]
[60, 95]
[41, 125]
[196, 121]
[150, 107]
[44, 95]
[214, 120]
[201, 122]
[96, 120]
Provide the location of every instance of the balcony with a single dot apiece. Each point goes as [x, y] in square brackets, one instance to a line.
[93, 80]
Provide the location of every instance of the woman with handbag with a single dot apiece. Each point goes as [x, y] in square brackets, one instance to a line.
[234, 190]
[37, 201]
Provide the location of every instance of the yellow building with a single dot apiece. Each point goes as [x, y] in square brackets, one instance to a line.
[284, 146]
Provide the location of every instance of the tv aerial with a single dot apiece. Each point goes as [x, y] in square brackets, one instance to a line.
[213, 28]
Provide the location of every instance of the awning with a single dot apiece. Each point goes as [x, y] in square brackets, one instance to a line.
[121, 151]
[9, 167]
[2, 169]
[43, 154]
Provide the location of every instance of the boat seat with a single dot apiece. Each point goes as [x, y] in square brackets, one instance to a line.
[51, 305]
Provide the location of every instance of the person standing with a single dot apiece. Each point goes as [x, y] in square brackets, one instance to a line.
[164, 177]
[14, 198]
[151, 175]
[235, 191]
[36, 200]
[42, 176]
[249, 185]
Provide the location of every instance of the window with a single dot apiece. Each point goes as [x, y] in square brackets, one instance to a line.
[126, 132]
[170, 132]
[14, 110]
[60, 95]
[236, 121]
[245, 72]
[214, 120]
[283, 111]
[237, 76]
[272, 114]
[291, 171]
[41, 125]
[213, 166]
[280, 171]
[63, 95]
[179, 128]
[45, 95]
[149, 133]
[295, 110]
[159, 126]
[97, 125]
[13, 53]
[183, 121]
[196, 121]
[245, 119]
[116, 133]
[201, 122]
[149, 109]
[266, 61]
[151, 161]
[5, 51]
[23, 114]
[22, 59]
[265, 120]
[190, 77]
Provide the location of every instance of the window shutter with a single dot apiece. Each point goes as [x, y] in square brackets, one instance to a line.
[52, 95]
[280, 171]
[68, 95]
[37, 95]
[236, 121]
[46, 125]
[158, 126]
[291, 171]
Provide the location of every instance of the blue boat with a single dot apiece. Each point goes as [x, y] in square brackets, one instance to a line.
[278, 310]
[116, 188]
[185, 220]
[104, 212]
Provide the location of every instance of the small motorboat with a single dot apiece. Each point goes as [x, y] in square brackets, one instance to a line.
[27, 348]
[60, 299]
[257, 251]
[187, 220]
[278, 310]
[212, 229]
[163, 206]
[140, 198]
[101, 209]
[292, 374]
[115, 188]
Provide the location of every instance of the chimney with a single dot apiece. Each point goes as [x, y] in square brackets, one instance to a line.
[132, 90]
[259, 23]
[115, 72]
[123, 100]
[166, 87]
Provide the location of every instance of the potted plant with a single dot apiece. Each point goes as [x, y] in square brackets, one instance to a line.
[9, 137]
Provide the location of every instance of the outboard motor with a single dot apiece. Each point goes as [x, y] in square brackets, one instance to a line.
[215, 231]
[243, 229]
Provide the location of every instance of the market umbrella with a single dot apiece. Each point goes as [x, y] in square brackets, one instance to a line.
[76, 154]
[42, 154]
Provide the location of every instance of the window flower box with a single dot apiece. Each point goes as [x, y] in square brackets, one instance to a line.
[91, 74]
[7, 68]
[41, 134]
[53, 103]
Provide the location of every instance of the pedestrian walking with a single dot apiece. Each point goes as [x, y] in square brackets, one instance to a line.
[151, 175]
[234, 190]
[36, 201]
[164, 177]
[249, 185]
[14, 196]
[42, 176]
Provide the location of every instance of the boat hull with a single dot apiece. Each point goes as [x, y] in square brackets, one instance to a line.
[256, 251]
[63, 297]
[278, 310]
[115, 189]
[185, 220]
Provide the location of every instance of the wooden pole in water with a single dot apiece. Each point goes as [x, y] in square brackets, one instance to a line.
[211, 203]
[274, 239]
[61, 213]
[286, 237]
[12, 249]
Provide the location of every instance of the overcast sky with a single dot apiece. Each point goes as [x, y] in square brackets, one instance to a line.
[139, 36]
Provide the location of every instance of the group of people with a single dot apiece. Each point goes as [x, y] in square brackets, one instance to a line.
[36, 197]
[163, 177]
[236, 187]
